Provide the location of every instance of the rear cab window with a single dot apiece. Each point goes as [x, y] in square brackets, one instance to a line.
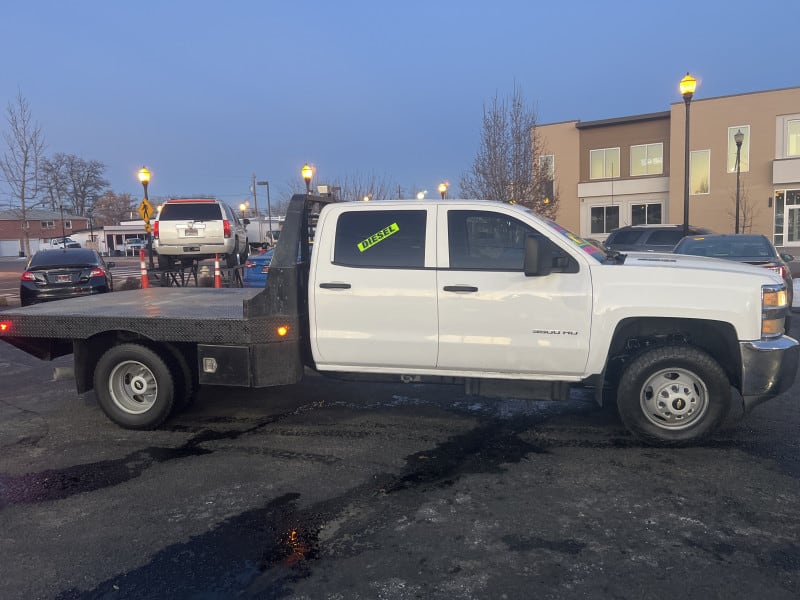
[381, 239]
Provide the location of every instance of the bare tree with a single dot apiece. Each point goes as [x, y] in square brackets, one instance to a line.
[747, 210]
[357, 186]
[86, 181]
[20, 163]
[55, 182]
[507, 166]
[111, 208]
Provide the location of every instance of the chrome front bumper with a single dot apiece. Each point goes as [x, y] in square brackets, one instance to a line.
[768, 368]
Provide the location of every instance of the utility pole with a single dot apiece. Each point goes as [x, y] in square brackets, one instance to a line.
[255, 208]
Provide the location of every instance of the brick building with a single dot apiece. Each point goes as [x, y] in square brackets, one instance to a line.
[40, 225]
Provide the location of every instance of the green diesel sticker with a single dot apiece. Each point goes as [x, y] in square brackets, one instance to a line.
[378, 237]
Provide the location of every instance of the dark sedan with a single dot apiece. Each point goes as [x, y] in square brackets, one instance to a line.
[754, 249]
[67, 273]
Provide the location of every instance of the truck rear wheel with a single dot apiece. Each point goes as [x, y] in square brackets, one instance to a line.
[134, 386]
[673, 395]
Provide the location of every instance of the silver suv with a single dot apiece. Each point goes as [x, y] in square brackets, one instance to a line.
[198, 228]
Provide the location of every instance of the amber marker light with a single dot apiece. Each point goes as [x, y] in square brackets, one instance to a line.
[282, 330]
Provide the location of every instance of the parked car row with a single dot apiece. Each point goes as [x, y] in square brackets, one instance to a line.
[754, 249]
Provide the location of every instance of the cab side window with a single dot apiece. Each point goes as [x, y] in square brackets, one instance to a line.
[381, 238]
[487, 241]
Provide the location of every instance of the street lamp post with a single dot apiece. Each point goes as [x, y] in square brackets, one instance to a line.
[63, 228]
[144, 177]
[269, 210]
[242, 208]
[738, 138]
[687, 86]
[443, 189]
[307, 172]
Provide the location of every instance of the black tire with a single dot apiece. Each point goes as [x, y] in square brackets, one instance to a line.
[232, 260]
[183, 379]
[673, 395]
[134, 386]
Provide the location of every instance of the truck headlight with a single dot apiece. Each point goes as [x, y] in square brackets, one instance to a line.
[774, 305]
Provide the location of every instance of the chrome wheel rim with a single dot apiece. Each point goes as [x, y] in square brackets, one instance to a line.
[133, 387]
[674, 399]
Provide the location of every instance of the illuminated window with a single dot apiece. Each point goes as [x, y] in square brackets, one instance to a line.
[700, 172]
[647, 159]
[604, 163]
[744, 158]
[793, 138]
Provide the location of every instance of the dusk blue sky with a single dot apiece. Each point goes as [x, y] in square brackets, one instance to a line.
[208, 93]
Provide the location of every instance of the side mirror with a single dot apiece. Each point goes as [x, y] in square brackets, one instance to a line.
[538, 257]
[787, 257]
[246, 221]
[111, 264]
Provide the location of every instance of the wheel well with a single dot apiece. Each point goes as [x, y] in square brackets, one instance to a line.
[632, 336]
[88, 352]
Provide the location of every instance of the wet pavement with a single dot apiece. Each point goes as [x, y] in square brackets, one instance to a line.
[340, 490]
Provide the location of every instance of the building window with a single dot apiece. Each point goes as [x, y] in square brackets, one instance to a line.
[793, 138]
[547, 168]
[547, 165]
[604, 218]
[26, 224]
[700, 172]
[647, 159]
[48, 225]
[67, 224]
[604, 163]
[646, 214]
[744, 157]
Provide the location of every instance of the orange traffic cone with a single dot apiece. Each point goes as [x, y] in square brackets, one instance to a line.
[217, 274]
[143, 267]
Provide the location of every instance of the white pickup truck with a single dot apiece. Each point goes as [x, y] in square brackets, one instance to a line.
[65, 242]
[478, 292]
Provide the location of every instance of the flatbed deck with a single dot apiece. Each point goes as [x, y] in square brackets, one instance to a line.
[200, 315]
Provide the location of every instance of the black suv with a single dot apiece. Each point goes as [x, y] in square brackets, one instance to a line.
[649, 238]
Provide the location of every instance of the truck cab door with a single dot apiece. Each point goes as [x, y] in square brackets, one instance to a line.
[494, 318]
[372, 296]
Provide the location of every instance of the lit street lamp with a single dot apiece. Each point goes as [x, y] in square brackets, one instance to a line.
[144, 177]
[307, 172]
[242, 208]
[443, 189]
[738, 138]
[687, 86]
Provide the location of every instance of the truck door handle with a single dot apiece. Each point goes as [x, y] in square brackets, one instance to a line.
[335, 286]
[460, 288]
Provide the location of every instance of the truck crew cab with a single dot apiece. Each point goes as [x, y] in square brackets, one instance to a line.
[475, 291]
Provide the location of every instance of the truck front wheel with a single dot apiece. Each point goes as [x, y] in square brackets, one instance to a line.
[134, 386]
[673, 395]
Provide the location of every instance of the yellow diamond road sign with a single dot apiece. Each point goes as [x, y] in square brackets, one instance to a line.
[145, 210]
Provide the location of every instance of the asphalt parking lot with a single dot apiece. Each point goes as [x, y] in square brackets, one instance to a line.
[331, 489]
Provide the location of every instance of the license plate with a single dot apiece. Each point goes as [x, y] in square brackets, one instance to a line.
[63, 278]
[190, 232]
